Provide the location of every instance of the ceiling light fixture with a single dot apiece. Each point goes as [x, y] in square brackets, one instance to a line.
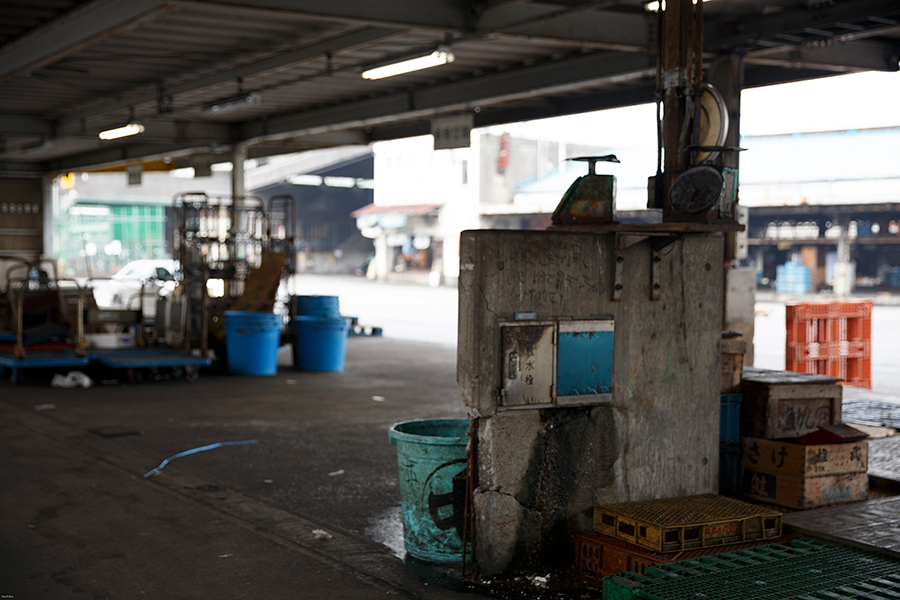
[133, 128]
[120, 132]
[654, 6]
[232, 103]
[440, 56]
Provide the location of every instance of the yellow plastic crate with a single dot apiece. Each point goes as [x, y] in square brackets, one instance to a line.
[675, 524]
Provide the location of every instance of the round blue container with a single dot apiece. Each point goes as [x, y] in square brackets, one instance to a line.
[251, 342]
[431, 456]
[320, 344]
[327, 307]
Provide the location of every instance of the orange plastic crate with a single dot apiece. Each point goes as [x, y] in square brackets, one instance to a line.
[832, 338]
[822, 351]
[597, 554]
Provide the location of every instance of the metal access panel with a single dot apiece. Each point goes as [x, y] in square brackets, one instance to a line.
[585, 361]
[527, 367]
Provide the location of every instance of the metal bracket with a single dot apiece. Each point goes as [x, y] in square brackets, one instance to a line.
[657, 245]
[655, 261]
[623, 242]
[617, 283]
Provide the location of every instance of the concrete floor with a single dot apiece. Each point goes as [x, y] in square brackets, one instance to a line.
[80, 521]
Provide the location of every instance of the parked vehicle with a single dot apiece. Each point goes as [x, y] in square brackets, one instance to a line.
[123, 290]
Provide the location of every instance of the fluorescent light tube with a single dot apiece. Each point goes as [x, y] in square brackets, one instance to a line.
[654, 6]
[238, 102]
[441, 56]
[120, 132]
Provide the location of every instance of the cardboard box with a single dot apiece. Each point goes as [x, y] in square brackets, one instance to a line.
[781, 404]
[804, 492]
[783, 458]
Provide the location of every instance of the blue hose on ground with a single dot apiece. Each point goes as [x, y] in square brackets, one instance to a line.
[195, 451]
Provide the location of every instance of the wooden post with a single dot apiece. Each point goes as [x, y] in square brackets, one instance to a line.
[677, 28]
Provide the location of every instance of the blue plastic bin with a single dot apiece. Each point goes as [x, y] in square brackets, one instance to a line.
[326, 307]
[729, 468]
[320, 343]
[431, 456]
[729, 418]
[251, 342]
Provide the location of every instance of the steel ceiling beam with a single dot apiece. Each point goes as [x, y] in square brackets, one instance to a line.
[25, 125]
[523, 83]
[127, 153]
[629, 32]
[725, 36]
[278, 62]
[432, 14]
[74, 31]
[838, 58]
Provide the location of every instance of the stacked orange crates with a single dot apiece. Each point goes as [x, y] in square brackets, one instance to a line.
[831, 338]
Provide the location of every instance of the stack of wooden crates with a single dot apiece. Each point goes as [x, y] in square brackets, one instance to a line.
[778, 407]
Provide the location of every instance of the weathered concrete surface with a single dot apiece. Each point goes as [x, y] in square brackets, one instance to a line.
[740, 305]
[542, 470]
[80, 521]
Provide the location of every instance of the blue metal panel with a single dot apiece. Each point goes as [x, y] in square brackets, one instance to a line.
[585, 358]
[36, 360]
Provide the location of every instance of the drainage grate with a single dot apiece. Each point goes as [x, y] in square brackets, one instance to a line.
[885, 414]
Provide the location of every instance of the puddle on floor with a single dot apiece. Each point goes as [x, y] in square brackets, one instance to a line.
[387, 529]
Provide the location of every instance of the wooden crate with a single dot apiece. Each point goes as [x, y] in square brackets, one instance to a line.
[805, 492]
[597, 554]
[781, 404]
[795, 460]
[675, 524]
[733, 350]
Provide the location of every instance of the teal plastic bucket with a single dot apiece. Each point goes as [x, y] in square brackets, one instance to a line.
[431, 457]
[326, 307]
[251, 342]
[320, 343]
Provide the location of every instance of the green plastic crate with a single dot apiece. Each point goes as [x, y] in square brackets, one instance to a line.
[803, 570]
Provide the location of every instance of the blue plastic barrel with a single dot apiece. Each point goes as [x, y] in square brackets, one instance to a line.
[327, 307]
[431, 456]
[251, 342]
[730, 418]
[320, 344]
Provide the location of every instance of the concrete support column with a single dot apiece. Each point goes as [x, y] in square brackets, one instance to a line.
[238, 157]
[382, 257]
[844, 277]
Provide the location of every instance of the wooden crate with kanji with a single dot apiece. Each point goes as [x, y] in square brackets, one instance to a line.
[804, 492]
[796, 460]
[781, 404]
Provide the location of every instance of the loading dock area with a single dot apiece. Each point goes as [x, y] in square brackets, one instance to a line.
[589, 358]
[79, 520]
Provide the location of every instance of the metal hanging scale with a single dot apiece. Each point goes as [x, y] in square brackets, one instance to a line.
[591, 198]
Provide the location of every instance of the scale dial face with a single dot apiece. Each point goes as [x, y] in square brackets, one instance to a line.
[696, 190]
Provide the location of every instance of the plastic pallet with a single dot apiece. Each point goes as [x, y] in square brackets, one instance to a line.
[597, 555]
[687, 522]
[804, 569]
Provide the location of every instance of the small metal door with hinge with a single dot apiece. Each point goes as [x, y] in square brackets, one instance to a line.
[527, 368]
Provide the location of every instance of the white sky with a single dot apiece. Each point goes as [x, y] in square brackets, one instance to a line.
[857, 101]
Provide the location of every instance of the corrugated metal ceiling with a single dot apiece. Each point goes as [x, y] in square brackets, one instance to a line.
[70, 69]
